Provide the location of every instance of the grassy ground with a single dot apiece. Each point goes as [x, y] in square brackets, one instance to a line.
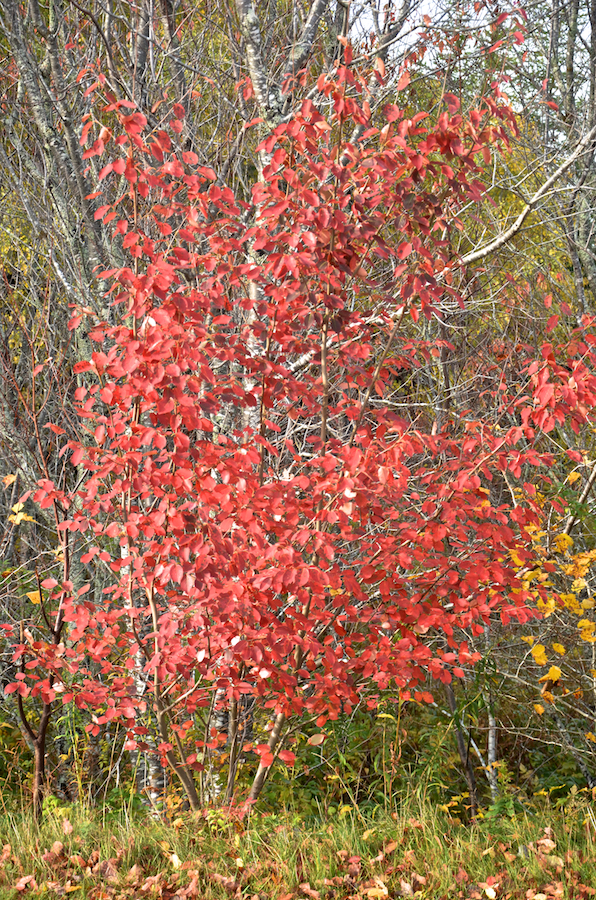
[419, 852]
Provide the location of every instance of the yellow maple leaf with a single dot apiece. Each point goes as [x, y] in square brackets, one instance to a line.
[573, 477]
[553, 674]
[560, 649]
[539, 708]
[8, 480]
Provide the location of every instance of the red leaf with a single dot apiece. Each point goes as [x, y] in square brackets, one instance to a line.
[404, 80]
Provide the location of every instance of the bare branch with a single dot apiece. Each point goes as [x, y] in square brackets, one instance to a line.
[583, 147]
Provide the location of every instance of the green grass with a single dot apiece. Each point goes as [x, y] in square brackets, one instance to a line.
[421, 851]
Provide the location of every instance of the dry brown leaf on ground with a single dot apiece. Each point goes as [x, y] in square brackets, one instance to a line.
[310, 892]
[226, 881]
[27, 881]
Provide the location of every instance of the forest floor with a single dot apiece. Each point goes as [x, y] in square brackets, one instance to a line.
[424, 853]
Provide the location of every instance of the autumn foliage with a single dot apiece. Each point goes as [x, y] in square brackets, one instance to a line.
[275, 521]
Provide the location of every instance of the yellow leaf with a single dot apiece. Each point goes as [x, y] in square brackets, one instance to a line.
[34, 596]
[553, 674]
[528, 639]
[539, 654]
[539, 708]
[563, 542]
[573, 477]
[380, 890]
[591, 737]
[588, 603]
[579, 585]
[18, 515]
[9, 479]
[559, 648]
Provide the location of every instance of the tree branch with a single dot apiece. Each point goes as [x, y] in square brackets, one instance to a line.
[483, 252]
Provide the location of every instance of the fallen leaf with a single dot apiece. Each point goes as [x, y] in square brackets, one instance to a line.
[229, 883]
[354, 866]
[545, 845]
[66, 826]
[135, 873]
[25, 882]
[378, 891]
[306, 889]
[462, 876]
[107, 868]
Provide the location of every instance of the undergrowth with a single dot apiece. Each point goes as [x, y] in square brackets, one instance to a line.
[421, 850]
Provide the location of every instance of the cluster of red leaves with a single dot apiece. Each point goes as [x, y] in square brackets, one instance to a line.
[247, 480]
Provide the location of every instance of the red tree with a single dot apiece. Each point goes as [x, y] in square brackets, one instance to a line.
[286, 533]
